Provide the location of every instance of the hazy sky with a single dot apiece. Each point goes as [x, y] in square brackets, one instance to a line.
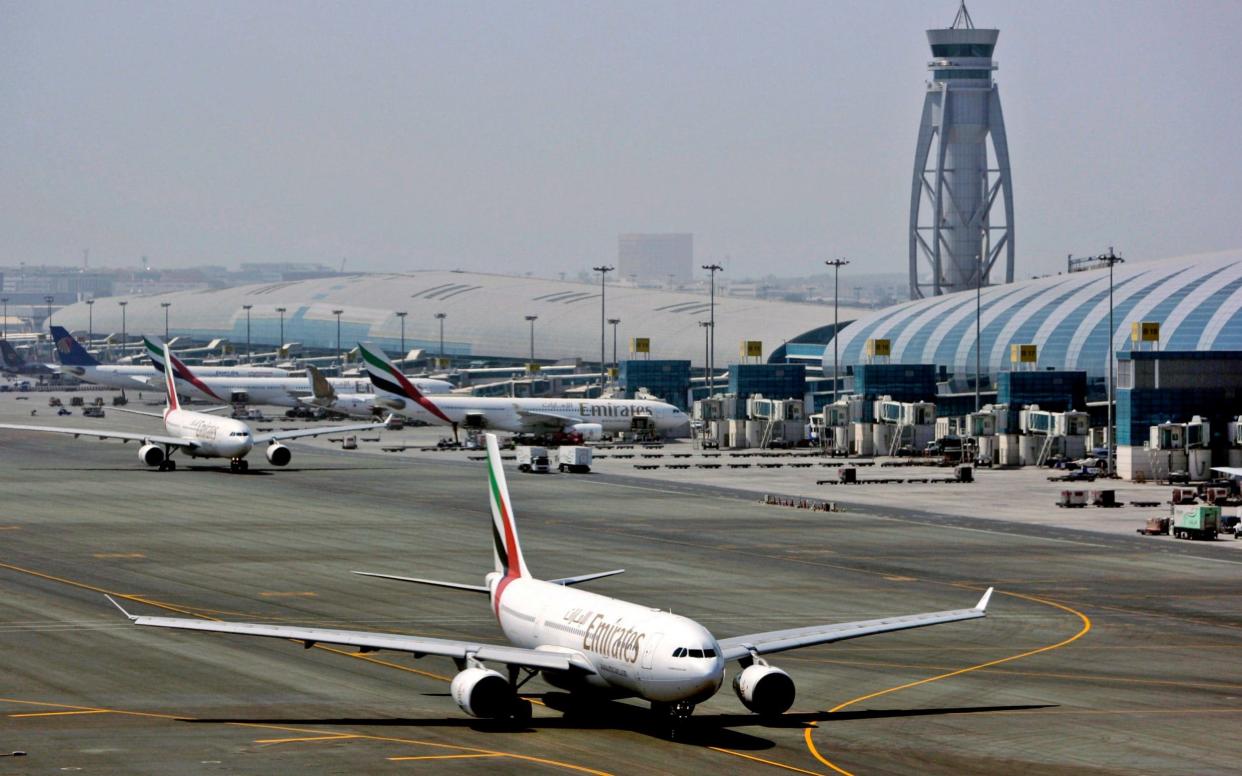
[524, 136]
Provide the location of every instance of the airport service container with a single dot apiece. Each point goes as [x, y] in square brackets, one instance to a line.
[1197, 522]
[1073, 498]
[531, 458]
[864, 442]
[575, 458]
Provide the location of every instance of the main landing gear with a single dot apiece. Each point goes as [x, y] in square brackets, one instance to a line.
[168, 465]
[239, 465]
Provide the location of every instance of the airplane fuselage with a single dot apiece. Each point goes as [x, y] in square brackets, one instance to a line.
[139, 377]
[215, 437]
[524, 415]
[279, 391]
[631, 647]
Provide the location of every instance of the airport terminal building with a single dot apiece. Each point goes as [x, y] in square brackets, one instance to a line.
[1197, 300]
[485, 317]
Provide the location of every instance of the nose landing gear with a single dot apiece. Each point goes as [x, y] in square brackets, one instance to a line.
[671, 716]
[239, 465]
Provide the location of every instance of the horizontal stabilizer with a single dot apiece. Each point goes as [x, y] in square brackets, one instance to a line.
[578, 580]
[432, 582]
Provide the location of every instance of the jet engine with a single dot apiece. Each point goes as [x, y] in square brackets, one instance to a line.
[482, 692]
[277, 454]
[764, 690]
[151, 455]
[590, 432]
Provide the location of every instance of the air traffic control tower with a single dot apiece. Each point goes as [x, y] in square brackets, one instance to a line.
[955, 241]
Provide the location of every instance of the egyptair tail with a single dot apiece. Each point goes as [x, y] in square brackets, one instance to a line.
[9, 358]
[69, 351]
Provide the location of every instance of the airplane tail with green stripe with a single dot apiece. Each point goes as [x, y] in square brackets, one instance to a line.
[507, 550]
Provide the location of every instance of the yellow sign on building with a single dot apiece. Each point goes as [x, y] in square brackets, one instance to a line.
[752, 349]
[1023, 354]
[640, 344]
[879, 347]
[1145, 331]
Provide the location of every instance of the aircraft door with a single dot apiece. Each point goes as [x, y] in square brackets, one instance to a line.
[649, 649]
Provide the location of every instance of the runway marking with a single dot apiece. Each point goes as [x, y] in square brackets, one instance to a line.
[441, 757]
[110, 555]
[10, 528]
[900, 579]
[338, 737]
[288, 594]
[328, 734]
[59, 713]
[1086, 628]
[773, 763]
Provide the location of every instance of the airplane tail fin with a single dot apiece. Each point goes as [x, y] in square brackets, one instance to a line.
[507, 550]
[69, 351]
[388, 378]
[321, 389]
[155, 351]
[9, 358]
[170, 385]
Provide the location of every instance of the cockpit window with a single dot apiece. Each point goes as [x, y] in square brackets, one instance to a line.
[684, 652]
[679, 652]
[709, 653]
[696, 653]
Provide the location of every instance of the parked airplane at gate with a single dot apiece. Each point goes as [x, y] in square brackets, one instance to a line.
[282, 391]
[198, 435]
[324, 395]
[588, 417]
[75, 361]
[582, 641]
[12, 363]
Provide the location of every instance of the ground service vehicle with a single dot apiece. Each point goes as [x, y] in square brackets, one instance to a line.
[531, 458]
[1198, 522]
[573, 458]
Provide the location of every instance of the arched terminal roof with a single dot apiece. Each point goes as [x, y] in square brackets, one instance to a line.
[485, 316]
[1196, 299]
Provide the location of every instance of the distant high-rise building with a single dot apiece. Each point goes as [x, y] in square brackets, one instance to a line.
[656, 257]
[954, 184]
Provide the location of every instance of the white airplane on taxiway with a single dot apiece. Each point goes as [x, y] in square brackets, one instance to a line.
[198, 435]
[583, 642]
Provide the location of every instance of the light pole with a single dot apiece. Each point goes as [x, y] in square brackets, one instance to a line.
[440, 317]
[90, 322]
[531, 319]
[603, 271]
[711, 350]
[340, 365]
[247, 307]
[1111, 259]
[402, 315]
[614, 322]
[124, 339]
[281, 345]
[836, 265]
[4, 334]
[165, 305]
[707, 348]
[978, 310]
[49, 299]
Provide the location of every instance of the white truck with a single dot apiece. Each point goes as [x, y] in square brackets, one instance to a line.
[574, 458]
[532, 459]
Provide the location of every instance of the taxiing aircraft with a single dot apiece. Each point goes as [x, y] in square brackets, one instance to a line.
[588, 417]
[198, 435]
[581, 641]
[75, 361]
[12, 363]
[282, 391]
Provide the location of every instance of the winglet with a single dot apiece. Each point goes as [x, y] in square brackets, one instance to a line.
[983, 602]
[118, 606]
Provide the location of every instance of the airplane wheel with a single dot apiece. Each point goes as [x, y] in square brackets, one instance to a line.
[233, 466]
[520, 712]
[163, 466]
[245, 466]
[172, 466]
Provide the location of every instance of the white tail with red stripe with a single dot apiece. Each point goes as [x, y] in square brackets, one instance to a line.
[170, 384]
[507, 549]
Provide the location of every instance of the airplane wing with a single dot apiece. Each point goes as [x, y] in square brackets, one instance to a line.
[1228, 471]
[127, 436]
[278, 436]
[793, 638]
[219, 408]
[368, 641]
